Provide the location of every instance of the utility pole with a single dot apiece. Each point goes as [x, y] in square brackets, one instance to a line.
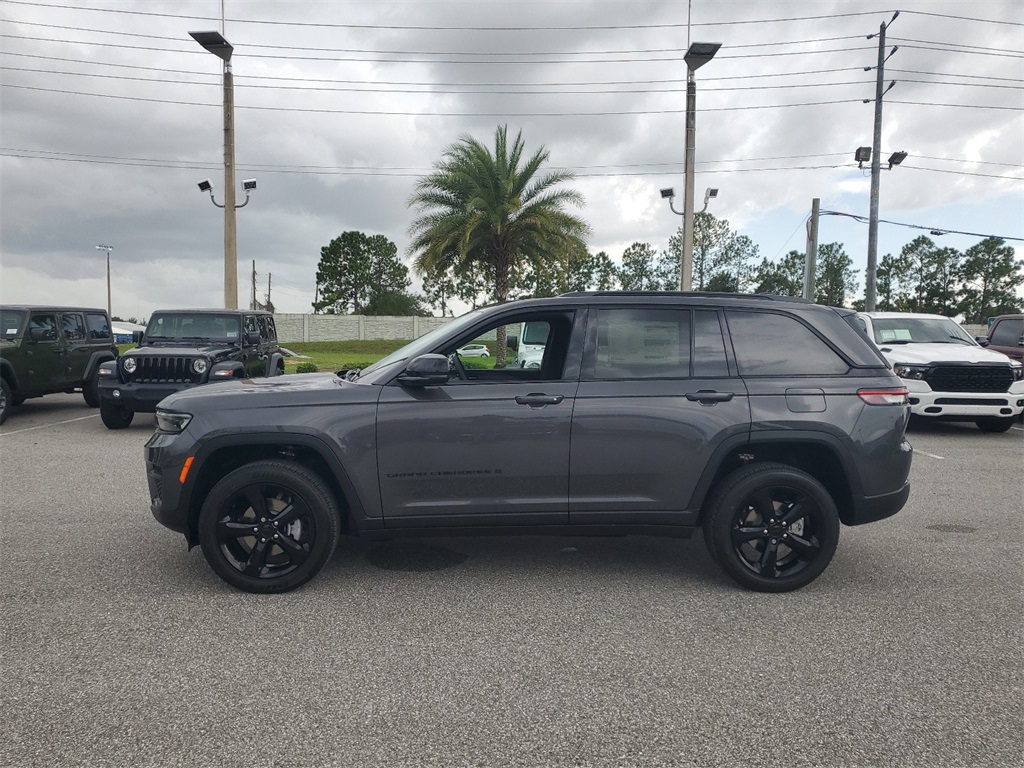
[876, 172]
[252, 304]
[811, 254]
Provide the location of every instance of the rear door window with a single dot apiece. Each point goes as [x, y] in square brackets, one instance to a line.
[642, 344]
[74, 326]
[772, 344]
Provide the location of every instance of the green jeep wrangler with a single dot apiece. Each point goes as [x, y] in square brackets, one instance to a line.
[51, 349]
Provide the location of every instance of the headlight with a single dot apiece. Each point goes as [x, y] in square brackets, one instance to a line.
[168, 421]
[200, 365]
[905, 371]
[130, 365]
[1018, 370]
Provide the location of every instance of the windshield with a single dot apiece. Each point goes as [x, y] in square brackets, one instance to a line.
[185, 325]
[424, 343]
[10, 322]
[920, 330]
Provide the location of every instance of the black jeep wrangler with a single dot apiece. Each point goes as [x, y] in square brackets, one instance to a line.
[46, 349]
[183, 348]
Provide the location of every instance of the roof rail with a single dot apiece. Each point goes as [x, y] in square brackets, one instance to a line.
[694, 294]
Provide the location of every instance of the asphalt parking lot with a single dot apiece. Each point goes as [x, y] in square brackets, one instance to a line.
[122, 648]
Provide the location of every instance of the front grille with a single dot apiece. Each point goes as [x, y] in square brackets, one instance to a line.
[996, 401]
[163, 370]
[970, 378]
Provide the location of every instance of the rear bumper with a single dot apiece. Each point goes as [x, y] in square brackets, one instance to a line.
[868, 509]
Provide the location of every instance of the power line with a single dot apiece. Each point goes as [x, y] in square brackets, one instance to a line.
[864, 220]
[391, 27]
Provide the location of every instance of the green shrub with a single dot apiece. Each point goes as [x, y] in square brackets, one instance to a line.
[306, 368]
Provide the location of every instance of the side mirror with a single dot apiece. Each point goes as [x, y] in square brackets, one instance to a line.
[39, 334]
[512, 342]
[983, 340]
[252, 339]
[136, 337]
[425, 371]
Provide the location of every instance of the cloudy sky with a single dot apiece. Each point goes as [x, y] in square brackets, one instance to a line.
[111, 114]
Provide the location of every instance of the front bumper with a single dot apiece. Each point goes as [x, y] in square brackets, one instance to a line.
[165, 490]
[966, 405]
[137, 397]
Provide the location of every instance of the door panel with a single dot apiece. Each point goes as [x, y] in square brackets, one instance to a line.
[490, 450]
[642, 446]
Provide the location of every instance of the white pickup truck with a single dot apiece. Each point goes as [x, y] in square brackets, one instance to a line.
[949, 375]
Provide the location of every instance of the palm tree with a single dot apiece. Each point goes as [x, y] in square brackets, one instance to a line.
[493, 209]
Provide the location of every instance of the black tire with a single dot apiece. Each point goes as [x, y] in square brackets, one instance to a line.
[6, 400]
[771, 527]
[114, 416]
[269, 526]
[91, 389]
[995, 423]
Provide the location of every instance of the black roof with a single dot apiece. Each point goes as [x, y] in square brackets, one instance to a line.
[50, 308]
[207, 311]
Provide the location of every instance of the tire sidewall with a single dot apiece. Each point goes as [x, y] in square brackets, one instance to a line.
[91, 389]
[734, 490]
[114, 416]
[6, 400]
[300, 482]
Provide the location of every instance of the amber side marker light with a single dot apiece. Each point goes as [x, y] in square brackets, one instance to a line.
[184, 469]
[891, 396]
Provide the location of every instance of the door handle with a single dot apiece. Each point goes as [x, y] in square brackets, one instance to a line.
[539, 400]
[707, 397]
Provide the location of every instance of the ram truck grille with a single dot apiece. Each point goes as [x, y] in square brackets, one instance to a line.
[970, 378]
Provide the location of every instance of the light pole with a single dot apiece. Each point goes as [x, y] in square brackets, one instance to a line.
[215, 43]
[684, 268]
[108, 249]
[697, 55]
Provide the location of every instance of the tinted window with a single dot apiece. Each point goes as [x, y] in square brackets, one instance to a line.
[47, 323]
[74, 327]
[642, 344]
[98, 326]
[1008, 333]
[250, 324]
[10, 322]
[709, 359]
[768, 344]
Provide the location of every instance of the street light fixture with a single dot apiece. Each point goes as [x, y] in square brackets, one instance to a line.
[896, 158]
[215, 43]
[862, 155]
[248, 186]
[108, 249]
[697, 55]
[670, 193]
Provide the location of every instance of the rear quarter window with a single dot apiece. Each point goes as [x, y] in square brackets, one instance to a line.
[771, 344]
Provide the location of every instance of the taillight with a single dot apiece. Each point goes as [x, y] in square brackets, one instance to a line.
[887, 396]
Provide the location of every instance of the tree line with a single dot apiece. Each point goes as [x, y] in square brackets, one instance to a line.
[491, 226]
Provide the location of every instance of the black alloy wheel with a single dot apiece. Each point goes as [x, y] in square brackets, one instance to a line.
[772, 527]
[269, 526]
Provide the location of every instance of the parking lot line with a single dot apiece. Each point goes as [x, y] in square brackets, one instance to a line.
[929, 455]
[51, 424]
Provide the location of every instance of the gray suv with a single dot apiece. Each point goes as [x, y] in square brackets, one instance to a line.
[765, 422]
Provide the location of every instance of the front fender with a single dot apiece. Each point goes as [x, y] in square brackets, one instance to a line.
[229, 369]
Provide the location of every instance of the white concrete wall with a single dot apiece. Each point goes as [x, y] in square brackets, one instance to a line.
[295, 327]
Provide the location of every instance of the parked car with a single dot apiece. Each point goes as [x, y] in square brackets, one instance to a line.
[47, 349]
[948, 374]
[1006, 335]
[763, 421]
[474, 350]
[185, 348]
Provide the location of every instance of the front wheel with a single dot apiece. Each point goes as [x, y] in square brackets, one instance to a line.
[269, 526]
[114, 416]
[771, 527]
[995, 423]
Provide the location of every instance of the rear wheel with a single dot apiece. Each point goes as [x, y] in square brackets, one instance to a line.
[269, 526]
[91, 389]
[995, 423]
[6, 400]
[771, 527]
[114, 416]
